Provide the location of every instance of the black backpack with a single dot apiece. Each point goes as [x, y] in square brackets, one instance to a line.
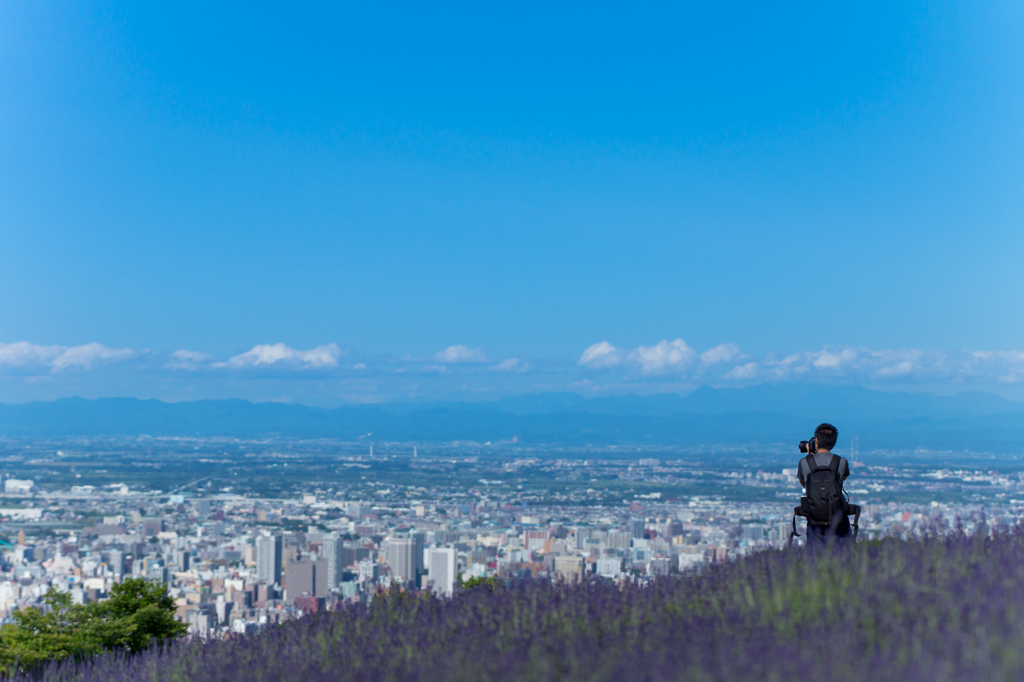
[824, 488]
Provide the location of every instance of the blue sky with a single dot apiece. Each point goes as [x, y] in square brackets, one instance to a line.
[364, 202]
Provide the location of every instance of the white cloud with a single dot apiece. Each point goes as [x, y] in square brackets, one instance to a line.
[724, 352]
[642, 368]
[903, 365]
[601, 355]
[512, 365]
[657, 359]
[665, 356]
[461, 355]
[828, 359]
[1008, 365]
[744, 372]
[91, 354]
[187, 359]
[725, 362]
[23, 354]
[272, 354]
[904, 368]
[864, 364]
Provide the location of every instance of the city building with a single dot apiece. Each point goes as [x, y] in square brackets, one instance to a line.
[636, 528]
[569, 568]
[300, 578]
[333, 552]
[405, 556]
[443, 573]
[268, 558]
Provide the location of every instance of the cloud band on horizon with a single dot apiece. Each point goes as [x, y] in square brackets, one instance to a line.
[279, 370]
[677, 359]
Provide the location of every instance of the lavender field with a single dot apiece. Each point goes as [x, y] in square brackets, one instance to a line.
[932, 609]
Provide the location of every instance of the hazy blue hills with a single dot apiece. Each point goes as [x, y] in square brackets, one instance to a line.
[760, 414]
[811, 401]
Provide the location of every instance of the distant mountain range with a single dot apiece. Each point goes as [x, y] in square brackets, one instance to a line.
[765, 414]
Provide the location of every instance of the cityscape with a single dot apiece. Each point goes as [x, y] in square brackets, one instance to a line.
[406, 342]
[251, 533]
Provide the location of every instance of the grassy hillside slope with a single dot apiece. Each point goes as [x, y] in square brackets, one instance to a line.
[937, 609]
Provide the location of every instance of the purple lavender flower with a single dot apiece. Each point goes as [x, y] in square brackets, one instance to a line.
[932, 609]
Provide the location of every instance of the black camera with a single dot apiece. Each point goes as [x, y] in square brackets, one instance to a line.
[810, 446]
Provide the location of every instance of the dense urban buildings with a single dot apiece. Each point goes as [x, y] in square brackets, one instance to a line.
[237, 561]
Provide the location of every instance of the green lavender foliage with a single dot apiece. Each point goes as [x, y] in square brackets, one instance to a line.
[938, 609]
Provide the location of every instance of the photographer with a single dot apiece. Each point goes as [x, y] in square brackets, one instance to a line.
[821, 474]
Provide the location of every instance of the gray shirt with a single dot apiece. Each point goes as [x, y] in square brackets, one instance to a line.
[821, 459]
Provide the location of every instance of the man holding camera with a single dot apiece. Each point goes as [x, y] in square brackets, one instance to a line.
[825, 505]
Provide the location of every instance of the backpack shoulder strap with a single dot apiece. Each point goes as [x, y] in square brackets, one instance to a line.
[811, 464]
[834, 466]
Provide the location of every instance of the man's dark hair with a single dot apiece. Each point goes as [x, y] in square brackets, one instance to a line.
[826, 435]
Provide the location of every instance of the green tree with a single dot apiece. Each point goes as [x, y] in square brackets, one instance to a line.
[138, 614]
[491, 583]
[147, 607]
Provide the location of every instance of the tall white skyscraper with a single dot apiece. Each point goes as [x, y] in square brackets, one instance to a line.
[399, 558]
[332, 553]
[618, 539]
[442, 571]
[405, 557]
[582, 535]
[268, 558]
